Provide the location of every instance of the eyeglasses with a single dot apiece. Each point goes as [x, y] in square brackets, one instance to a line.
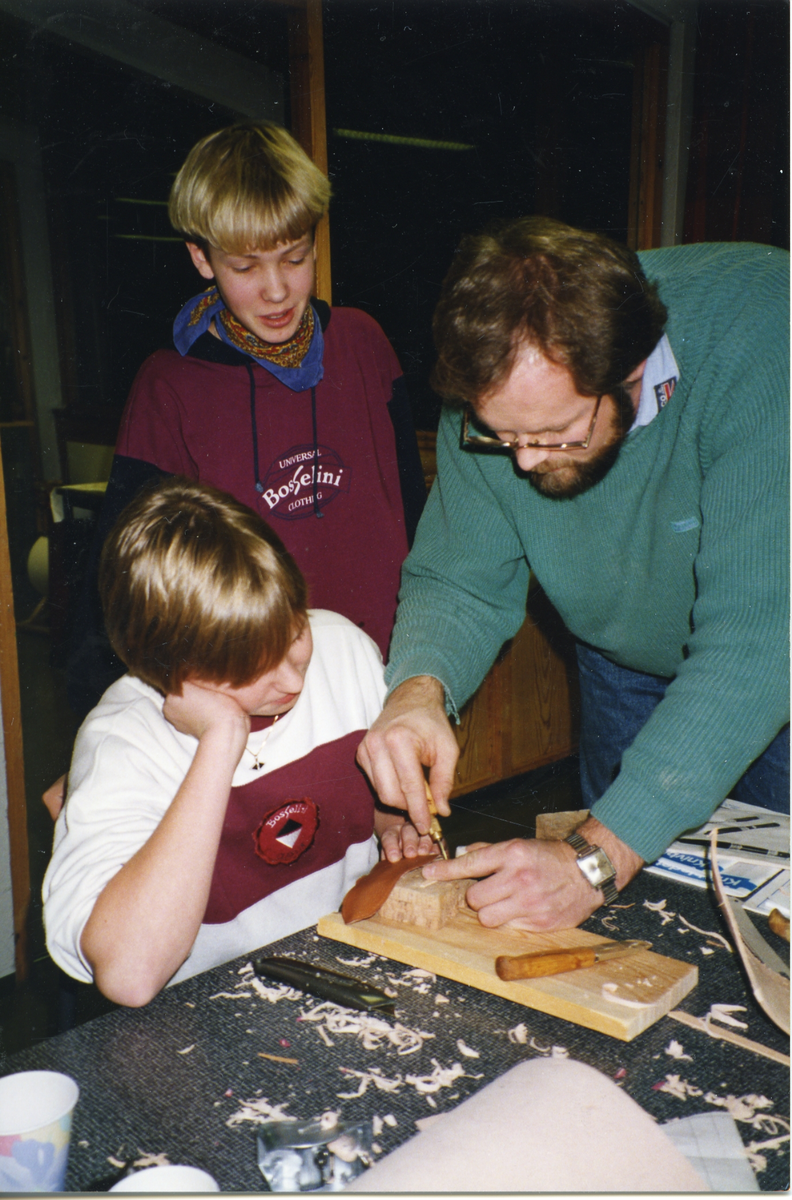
[511, 442]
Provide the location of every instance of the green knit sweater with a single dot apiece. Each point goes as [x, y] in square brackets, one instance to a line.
[675, 564]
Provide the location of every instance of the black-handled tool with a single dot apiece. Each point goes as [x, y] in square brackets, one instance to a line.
[326, 984]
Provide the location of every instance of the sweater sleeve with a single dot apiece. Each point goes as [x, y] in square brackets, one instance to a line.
[465, 582]
[730, 695]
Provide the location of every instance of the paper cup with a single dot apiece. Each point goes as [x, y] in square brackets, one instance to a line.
[167, 1179]
[35, 1124]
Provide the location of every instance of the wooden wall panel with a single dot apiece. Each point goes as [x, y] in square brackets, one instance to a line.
[14, 760]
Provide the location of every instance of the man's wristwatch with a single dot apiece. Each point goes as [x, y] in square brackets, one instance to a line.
[596, 866]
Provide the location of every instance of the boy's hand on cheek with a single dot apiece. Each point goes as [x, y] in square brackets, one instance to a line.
[202, 710]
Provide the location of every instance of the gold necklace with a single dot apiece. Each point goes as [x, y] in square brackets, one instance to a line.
[258, 762]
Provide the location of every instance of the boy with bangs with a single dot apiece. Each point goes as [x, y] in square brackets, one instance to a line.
[298, 410]
[214, 802]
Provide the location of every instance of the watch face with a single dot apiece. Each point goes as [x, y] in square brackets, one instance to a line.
[596, 866]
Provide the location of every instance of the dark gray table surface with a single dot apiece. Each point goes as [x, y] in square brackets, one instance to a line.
[171, 1079]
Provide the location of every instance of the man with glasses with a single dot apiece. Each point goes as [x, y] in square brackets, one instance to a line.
[617, 424]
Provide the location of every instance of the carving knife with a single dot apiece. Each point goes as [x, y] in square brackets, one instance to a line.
[555, 962]
[435, 832]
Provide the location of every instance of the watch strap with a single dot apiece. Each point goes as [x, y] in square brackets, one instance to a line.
[607, 885]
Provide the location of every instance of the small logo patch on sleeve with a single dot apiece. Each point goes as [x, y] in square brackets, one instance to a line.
[287, 833]
[685, 525]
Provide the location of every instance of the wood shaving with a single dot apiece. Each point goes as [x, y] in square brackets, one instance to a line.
[706, 950]
[659, 907]
[232, 996]
[675, 1086]
[708, 933]
[259, 1111]
[610, 924]
[356, 962]
[278, 1058]
[742, 1108]
[518, 1035]
[441, 999]
[115, 1162]
[374, 1077]
[440, 1077]
[758, 1161]
[419, 980]
[152, 1160]
[722, 1014]
[187, 1049]
[466, 1051]
[372, 1031]
[675, 1050]
[324, 1035]
[275, 991]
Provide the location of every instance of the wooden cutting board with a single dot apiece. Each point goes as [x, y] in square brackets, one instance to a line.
[620, 997]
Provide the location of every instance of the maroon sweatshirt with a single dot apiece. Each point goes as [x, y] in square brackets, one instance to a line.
[195, 416]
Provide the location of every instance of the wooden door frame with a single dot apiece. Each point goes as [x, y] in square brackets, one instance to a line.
[308, 112]
[14, 758]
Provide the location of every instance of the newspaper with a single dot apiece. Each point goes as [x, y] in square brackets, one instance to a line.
[753, 853]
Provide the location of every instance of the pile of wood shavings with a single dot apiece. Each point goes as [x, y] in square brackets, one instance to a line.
[259, 1112]
[372, 1032]
[419, 980]
[374, 1077]
[666, 916]
[425, 1085]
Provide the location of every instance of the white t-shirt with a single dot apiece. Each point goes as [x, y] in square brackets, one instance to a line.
[298, 831]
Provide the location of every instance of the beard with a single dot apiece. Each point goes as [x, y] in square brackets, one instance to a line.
[563, 477]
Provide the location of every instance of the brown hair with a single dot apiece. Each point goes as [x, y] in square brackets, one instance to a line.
[580, 298]
[195, 584]
[248, 187]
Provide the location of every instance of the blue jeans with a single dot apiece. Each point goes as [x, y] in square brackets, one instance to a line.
[616, 703]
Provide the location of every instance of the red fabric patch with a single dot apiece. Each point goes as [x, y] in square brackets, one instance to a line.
[298, 812]
[340, 791]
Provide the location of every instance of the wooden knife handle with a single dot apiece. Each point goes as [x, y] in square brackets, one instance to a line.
[545, 962]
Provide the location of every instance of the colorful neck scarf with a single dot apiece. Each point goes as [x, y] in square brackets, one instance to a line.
[297, 363]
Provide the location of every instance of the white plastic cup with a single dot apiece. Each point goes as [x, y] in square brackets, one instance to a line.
[35, 1127]
[167, 1179]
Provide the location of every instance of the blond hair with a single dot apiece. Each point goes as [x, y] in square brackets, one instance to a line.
[248, 187]
[196, 585]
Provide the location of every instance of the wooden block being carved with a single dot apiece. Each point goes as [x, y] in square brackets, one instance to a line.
[423, 902]
[554, 827]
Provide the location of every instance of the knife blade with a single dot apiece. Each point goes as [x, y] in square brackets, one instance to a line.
[555, 962]
[326, 984]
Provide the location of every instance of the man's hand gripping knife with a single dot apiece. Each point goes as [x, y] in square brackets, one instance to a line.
[411, 732]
